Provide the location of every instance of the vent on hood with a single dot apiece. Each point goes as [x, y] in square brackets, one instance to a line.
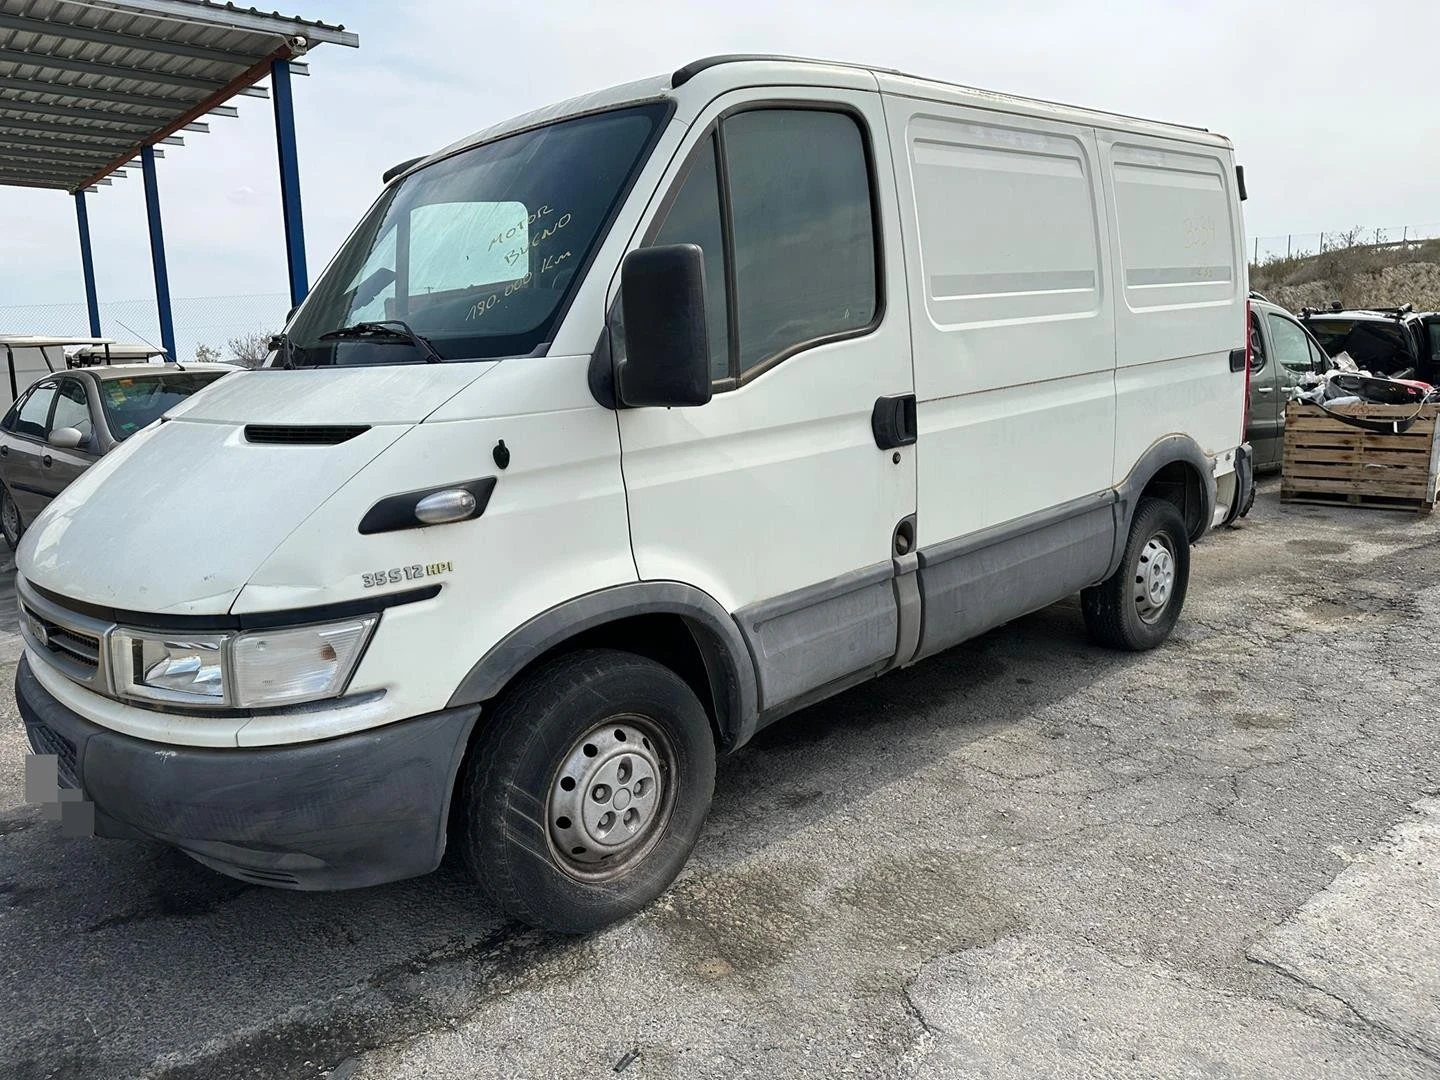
[303, 434]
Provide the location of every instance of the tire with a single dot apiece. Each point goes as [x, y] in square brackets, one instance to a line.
[1123, 611]
[570, 858]
[11, 525]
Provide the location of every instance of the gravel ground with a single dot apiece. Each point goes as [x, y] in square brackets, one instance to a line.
[1022, 858]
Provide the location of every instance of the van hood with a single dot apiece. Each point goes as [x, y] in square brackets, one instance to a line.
[404, 394]
[179, 517]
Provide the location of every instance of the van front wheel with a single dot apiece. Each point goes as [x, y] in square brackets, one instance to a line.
[1137, 606]
[586, 790]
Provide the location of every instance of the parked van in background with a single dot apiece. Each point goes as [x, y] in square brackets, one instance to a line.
[619, 431]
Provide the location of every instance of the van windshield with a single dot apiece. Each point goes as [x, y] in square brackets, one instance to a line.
[478, 253]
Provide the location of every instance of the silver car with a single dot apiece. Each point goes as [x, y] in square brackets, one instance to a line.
[66, 422]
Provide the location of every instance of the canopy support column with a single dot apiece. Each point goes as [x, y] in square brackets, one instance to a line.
[289, 179]
[87, 263]
[157, 251]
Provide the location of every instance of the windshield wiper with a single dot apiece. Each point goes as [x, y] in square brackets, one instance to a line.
[391, 329]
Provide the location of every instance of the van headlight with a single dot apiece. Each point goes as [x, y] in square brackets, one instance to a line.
[250, 669]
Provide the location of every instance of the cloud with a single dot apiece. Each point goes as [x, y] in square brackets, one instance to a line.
[243, 196]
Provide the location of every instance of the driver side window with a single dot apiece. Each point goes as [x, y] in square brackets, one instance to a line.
[779, 201]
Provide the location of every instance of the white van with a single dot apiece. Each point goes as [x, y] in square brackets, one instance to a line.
[615, 433]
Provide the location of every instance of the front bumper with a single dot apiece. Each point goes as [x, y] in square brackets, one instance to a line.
[342, 813]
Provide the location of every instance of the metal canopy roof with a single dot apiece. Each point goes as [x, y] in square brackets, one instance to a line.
[85, 84]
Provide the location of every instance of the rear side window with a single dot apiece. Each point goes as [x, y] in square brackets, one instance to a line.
[33, 419]
[1292, 346]
[779, 201]
[133, 403]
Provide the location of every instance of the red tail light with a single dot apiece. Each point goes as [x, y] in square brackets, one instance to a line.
[1249, 356]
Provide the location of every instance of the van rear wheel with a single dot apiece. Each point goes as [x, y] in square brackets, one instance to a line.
[1137, 606]
[586, 790]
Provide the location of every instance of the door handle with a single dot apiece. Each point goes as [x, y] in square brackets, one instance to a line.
[4, 450]
[47, 461]
[1264, 390]
[893, 421]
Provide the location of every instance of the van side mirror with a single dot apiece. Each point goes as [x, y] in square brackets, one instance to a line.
[66, 438]
[667, 341]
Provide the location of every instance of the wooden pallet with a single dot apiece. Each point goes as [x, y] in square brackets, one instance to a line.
[1331, 463]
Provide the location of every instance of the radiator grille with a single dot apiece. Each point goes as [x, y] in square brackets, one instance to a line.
[79, 649]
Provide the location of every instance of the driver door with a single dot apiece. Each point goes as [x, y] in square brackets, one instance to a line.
[777, 497]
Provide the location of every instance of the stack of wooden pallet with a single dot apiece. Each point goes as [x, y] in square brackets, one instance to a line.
[1330, 461]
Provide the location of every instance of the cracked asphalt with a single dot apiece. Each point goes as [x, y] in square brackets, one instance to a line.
[1025, 857]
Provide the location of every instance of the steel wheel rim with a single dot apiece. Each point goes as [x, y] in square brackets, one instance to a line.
[610, 798]
[10, 517]
[1154, 578]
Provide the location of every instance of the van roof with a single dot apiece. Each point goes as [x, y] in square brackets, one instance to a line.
[776, 68]
[690, 70]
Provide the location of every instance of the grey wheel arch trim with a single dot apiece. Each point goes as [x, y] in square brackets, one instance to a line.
[1163, 452]
[728, 665]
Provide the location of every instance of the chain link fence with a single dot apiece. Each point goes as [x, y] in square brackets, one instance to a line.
[1265, 249]
[210, 321]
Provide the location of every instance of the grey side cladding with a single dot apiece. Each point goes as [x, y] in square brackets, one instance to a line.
[978, 582]
[821, 634]
[727, 659]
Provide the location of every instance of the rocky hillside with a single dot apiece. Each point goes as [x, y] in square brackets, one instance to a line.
[1359, 276]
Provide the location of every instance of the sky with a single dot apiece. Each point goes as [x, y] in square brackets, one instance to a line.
[1332, 114]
